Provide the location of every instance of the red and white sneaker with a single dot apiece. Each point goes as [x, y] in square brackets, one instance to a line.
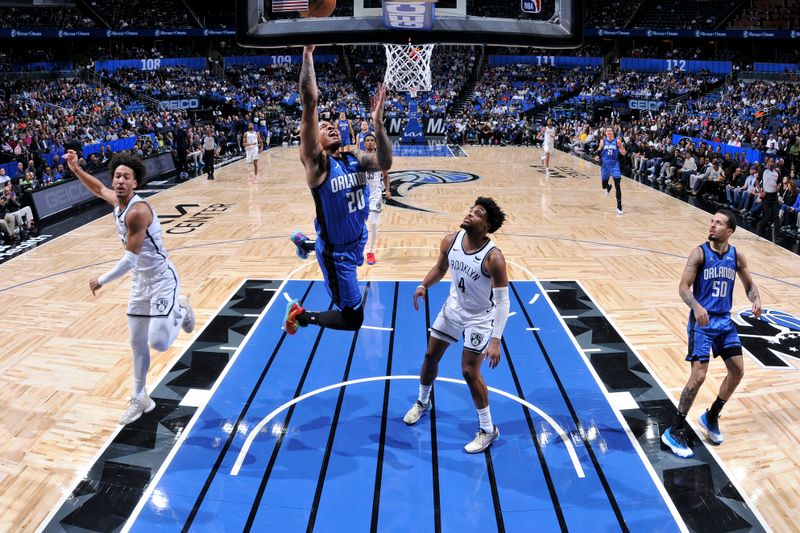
[370, 258]
[290, 324]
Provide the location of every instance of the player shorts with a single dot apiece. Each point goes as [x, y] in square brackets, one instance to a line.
[475, 328]
[339, 268]
[719, 337]
[251, 153]
[376, 202]
[547, 147]
[610, 171]
[155, 295]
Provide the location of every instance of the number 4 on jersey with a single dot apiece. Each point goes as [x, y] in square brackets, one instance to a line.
[461, 285]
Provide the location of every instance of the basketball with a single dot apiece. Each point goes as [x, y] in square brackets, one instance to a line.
[319, 8]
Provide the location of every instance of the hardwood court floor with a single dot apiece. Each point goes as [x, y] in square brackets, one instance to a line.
[65, 372]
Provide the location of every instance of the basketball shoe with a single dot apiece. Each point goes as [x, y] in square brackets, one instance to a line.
[677, 442]
[370, 258]
[712, 428]
[482, 440]
[415, 413]
[299, 240]
[137, 405]
[290, 324]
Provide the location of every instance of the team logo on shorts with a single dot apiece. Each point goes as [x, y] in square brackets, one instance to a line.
[476, 339]
[162, 304]
[404, 181]
[773, 340]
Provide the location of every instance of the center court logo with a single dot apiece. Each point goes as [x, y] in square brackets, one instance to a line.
[404, 181]
[773, 340]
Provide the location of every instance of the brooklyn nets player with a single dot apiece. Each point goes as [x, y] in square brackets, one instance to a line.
[155, 311]
[548, 136]
[477, 309]
[251, 140]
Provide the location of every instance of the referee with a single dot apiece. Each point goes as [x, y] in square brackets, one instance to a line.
[769, 180]
[209, 151]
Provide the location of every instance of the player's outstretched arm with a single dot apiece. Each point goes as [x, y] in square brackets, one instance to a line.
[311, 153]
[749, 285]
[382, 158]
[496, 265]
[437, 272]
[94, 185]
[685, 286]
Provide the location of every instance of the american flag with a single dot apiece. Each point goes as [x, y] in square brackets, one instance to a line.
[289, 5]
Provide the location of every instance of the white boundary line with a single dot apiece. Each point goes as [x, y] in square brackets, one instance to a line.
[642, 457]
[93, 462]
[187, 429]
[266, 420]
[379, 328]
[722, 465]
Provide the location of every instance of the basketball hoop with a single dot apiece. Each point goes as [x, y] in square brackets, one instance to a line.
[408, 67]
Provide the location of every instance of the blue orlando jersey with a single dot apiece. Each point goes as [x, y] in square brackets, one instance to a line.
[713, 285]
[610, 152]
[341, 202]
[344, 133]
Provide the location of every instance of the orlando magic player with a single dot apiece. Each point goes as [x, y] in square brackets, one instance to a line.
[548, 136]
[338, 183]
[379, 191]
[363, 134]
[251, 140]
[707, 288]
[345, 130]
[610, 149]
[476, 310]
[155, 311]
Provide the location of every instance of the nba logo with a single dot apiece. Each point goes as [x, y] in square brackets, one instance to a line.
[531, 6]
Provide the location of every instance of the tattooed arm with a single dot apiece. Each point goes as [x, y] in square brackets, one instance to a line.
[685, 287]
[749, 285]
[311, 152]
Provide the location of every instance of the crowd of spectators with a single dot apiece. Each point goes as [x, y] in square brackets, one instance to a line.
[769, 14]
[614, 14]
[63, 17]
[123, 14]
[653, 86]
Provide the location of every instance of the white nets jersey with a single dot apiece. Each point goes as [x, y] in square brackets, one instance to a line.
[471, 284]
[549, 136]
[153, 256]
[251, 139]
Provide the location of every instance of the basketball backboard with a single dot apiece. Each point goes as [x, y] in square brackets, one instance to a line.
[539, 23]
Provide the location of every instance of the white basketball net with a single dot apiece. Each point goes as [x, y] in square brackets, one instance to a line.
[408, 67]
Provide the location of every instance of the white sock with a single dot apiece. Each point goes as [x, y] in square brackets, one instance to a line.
[485, 419]
[424, 393]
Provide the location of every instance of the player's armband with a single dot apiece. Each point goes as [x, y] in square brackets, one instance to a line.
[501, 308]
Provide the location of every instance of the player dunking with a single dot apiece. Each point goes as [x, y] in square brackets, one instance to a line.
[477, 309]
[378, 193]
[155, 311]
[707, 288]
[548, 134]
[338, 183]
[251, 140]
[610, 149]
